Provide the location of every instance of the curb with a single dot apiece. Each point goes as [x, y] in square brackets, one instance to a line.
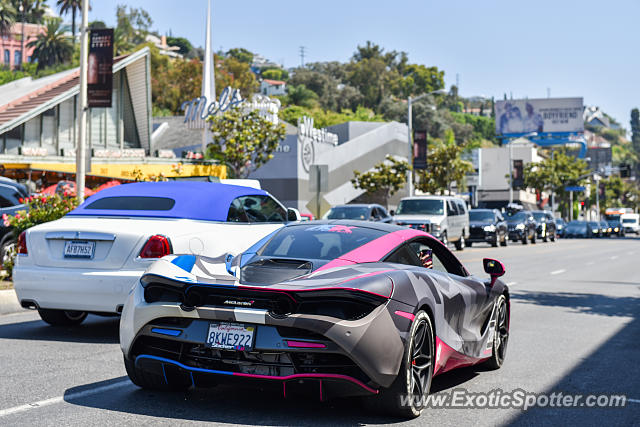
[9, 302]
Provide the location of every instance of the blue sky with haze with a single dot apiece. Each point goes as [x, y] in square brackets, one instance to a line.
[576, 48]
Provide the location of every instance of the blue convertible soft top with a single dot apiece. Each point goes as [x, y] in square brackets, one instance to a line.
[187, 199]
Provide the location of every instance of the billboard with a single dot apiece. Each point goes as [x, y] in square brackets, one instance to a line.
[99, 70]
[420, 149]
[548, 115]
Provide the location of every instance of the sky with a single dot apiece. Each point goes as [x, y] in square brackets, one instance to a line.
[583, 48]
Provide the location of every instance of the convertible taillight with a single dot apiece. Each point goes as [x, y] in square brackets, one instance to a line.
[156, 247]
[22, 243]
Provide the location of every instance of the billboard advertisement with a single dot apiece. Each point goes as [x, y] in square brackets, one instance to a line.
[420, 149]
[548, 115]
[99, 69]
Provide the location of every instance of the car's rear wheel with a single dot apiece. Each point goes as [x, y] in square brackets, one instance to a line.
[62, 317]
[151, 381]
[406, 397]
[500, 335]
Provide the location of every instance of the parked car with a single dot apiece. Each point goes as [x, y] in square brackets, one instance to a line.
[522, 226]
[362, 212]
[444, 217]
[487, 225]
[12, 196]
[577, 228]
[546, 226]
[561, 224]
[334, 308]
[630, 222]
[88, 260]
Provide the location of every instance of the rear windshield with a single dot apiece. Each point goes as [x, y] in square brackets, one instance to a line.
[349, 212]
[133, 203]
[421, 207]
[324, 241]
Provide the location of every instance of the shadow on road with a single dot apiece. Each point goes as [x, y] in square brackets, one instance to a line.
[583, 303]
[94, 330]
[612, 369]
[238, 404]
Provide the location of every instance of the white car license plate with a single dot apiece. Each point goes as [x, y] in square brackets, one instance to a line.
[78, 249]
[230, 336]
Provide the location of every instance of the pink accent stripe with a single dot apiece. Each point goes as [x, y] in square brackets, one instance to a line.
[447, 358]
[284, 389]
[405, 314]
[305, 344]
[320, 390]
[296, 376]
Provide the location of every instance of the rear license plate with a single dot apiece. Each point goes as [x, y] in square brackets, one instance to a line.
[79, 249]
[230, 336]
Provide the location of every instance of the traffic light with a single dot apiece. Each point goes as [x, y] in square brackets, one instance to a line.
[582, 204]
[625, 170]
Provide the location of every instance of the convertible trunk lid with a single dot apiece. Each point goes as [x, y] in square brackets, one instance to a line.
[115, 240]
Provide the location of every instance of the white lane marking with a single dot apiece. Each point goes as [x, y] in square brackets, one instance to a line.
[59, 399]
[614, 257]
[512, 283]
[553, 273]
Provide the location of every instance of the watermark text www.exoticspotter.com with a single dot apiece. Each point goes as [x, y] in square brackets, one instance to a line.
[515, 399]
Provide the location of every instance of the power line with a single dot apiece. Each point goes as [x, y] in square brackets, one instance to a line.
[302, 49]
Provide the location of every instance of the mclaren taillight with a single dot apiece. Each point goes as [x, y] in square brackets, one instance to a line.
[156, 247]
[22, 243]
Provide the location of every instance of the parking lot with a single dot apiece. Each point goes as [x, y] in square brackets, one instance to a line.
[575, 329]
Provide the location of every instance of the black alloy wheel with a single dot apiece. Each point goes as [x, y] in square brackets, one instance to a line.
[501, 335]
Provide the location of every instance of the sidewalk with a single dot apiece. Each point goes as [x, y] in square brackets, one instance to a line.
[9, 302]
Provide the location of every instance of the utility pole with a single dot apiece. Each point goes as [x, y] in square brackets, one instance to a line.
[302, 49]
[83, 108]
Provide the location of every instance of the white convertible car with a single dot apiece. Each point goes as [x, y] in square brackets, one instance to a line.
[87, 261]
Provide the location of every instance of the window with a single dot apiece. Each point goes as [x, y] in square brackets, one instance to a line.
[9, 197]
[442, 259]
[17, 57]
[256, 209]
[420, 248]
[403, 255]
[7, 56]
[421, 207]
[461, 207]
[324, 241]
[451, 208]
[133, 203]
[349, 212]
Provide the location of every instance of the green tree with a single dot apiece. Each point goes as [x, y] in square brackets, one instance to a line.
[184, 44]
[272, 74]
[241, 54]
[554, 174]
[300, 95]
[32, 10]
[243, 142]
[444, 166]
[7, 19]
[66, 6]
[237, 74]
[51, 47]
[132, 24]
[387, 177]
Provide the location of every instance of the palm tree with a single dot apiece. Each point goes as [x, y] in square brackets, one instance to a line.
[72, 6]
[7, 19]
[51, 47]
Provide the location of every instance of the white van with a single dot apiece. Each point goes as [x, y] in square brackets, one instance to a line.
[630, 222]
[444, 217]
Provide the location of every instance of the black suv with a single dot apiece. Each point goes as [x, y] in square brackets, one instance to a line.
[546, 228]
[487, 225]
[11, 194]
[522, 226]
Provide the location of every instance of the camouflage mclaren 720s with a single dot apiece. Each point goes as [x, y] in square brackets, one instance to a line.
[342, 308]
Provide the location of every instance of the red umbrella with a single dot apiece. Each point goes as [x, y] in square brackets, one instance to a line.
[107, 184]
[65, 186]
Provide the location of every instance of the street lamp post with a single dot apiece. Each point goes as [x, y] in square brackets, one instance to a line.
[21, 9]
[410, 101]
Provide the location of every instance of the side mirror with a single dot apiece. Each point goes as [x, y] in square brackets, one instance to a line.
[293, 214]
[392, 212]
[493, 268]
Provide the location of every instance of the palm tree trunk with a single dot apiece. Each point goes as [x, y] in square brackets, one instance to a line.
[73, 24]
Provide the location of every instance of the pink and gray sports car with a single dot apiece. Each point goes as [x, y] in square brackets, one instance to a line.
[343, 308]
